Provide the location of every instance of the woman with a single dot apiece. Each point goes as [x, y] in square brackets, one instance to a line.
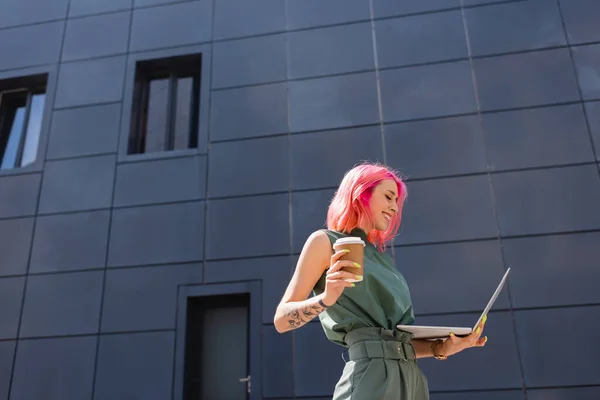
[363, 316]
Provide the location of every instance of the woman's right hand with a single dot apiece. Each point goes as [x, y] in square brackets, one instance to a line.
[335, 282]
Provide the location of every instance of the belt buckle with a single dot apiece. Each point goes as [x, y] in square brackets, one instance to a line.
[401, 351]
[407, 351]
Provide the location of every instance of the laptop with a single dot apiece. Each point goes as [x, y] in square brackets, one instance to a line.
[442, 332]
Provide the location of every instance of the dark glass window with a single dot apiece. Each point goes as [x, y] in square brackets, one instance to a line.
[21, 112]
[165, 105]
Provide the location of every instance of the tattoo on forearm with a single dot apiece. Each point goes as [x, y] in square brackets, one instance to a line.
[299, 314]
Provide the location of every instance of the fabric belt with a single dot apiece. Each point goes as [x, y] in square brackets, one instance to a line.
[382, 349]
[380, 343]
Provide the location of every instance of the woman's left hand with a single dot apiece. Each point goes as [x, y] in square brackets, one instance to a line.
[455, 344]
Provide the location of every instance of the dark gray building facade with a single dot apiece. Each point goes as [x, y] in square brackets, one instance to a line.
[163, 162]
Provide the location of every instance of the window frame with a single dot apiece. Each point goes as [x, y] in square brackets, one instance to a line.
[202, 109]
[29, 90]
[14, 79]
[170, 69]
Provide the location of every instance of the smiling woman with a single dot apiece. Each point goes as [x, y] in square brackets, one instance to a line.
[363, 316]
[368, 193]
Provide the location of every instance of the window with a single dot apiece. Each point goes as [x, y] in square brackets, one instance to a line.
[165, 105]
[21, 111]
[217, 348]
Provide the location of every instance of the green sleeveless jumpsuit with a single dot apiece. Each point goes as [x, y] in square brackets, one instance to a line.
[382, 364]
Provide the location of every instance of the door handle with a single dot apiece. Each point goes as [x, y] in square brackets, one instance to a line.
[248, 381]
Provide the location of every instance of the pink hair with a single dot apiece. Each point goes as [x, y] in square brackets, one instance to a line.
[349, 208]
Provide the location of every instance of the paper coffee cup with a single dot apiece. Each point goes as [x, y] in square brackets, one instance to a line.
[356, 254]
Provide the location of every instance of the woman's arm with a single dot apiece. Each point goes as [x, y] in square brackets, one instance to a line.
[295, 314]
[422, 348]
[295, 309]
[452, 345]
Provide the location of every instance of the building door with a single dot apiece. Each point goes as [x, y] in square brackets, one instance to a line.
[217, 342]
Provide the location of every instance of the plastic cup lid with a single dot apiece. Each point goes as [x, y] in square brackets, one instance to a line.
[349, 240]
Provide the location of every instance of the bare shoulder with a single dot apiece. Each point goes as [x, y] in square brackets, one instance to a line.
[320, 238]
[313, 261]
[318, 246]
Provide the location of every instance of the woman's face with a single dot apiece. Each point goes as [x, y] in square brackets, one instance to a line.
[384, 203]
